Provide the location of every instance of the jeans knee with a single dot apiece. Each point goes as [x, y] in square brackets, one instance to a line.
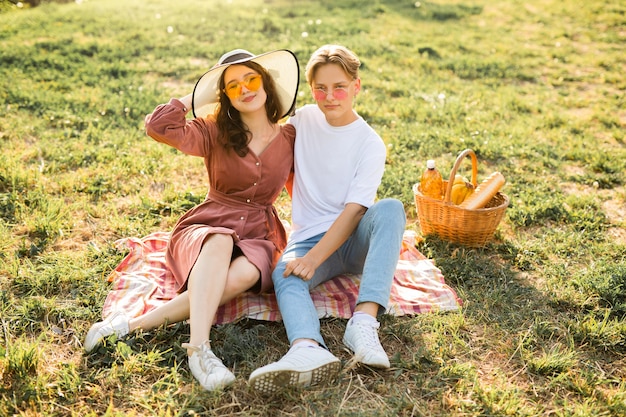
[277, 273]
[392, 210]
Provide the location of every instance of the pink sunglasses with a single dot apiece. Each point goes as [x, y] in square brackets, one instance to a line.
[338, 93]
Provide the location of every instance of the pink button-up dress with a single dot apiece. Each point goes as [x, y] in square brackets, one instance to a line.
[241, 194]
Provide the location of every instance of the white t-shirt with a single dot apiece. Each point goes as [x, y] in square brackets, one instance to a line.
[333, 166]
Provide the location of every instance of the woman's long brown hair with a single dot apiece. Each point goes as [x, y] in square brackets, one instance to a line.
[234, 134]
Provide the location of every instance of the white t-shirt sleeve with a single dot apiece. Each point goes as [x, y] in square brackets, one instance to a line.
[368, 173]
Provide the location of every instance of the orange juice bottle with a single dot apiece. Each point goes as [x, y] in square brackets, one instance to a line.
[431, 183]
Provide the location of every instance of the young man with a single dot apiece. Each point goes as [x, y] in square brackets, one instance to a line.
[337, 227]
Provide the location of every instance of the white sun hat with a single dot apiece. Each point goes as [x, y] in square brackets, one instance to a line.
[281, 64]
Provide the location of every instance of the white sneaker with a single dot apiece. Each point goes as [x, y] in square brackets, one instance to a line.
[301, 366]
[362, 339]
[116, 323]
[207, 368]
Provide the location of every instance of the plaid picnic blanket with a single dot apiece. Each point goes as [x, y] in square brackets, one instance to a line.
[142, 282]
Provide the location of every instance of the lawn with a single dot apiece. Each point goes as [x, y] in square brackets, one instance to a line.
[537, 89]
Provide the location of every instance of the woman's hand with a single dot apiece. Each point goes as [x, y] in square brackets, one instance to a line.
[187, 101]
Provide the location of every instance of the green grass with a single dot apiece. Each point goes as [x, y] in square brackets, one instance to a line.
[535, 88]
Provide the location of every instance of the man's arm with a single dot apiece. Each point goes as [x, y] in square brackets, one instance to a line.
[337, 234]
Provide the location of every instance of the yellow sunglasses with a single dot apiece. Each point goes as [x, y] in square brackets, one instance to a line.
[252, 83]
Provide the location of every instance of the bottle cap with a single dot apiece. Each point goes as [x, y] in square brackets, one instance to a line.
[430, 164]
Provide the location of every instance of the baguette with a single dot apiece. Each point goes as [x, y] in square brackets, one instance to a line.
[484, 192]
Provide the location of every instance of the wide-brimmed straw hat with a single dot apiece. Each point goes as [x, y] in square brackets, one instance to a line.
[281, 64]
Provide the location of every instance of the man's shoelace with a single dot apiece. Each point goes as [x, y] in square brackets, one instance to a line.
[369, 335]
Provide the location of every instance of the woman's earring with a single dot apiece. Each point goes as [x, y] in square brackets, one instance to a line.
[229, 116]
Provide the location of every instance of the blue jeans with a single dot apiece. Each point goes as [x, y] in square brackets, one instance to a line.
[372, 250]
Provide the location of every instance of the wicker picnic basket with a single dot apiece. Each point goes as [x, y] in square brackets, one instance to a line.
[450, 222]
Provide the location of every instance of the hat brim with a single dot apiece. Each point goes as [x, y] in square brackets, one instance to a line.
[281, 64]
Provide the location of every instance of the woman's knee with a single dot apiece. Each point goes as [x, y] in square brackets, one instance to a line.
[242, 275]
[240, 283]
[219, 243]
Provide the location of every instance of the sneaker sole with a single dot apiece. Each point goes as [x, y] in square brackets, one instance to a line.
[272, 381]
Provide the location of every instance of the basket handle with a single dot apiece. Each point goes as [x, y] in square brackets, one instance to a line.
[457, 163]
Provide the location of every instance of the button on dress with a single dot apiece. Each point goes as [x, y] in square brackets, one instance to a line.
[241, 192]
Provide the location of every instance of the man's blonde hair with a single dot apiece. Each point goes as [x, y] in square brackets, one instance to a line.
[333, 54]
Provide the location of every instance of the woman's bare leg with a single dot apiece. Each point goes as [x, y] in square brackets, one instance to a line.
[242, 275]
[206, 284]
[173, 311]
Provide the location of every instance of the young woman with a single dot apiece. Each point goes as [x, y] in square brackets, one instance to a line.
[230, 243]
[337, 227]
